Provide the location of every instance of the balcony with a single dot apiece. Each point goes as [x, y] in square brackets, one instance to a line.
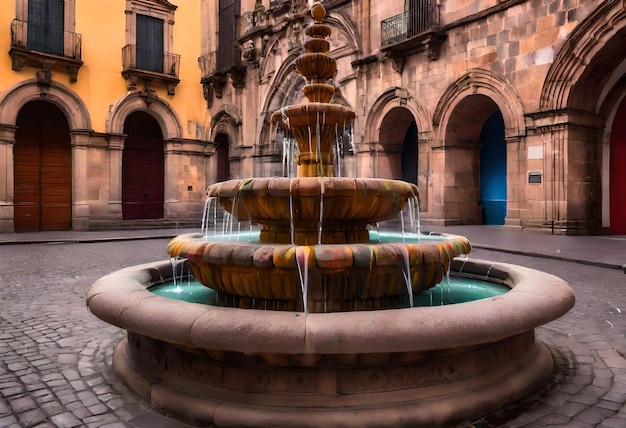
[138, 63]
[417, 29]
[214, 77]
[45, 48]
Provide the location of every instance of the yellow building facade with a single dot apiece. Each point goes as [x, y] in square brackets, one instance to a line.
[102, 116]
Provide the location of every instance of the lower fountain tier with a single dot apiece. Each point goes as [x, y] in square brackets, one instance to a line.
[418, 367]
[334, 277]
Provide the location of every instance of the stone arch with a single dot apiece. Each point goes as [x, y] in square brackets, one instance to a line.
[163, 113]
[342, 24]
[393, 98]
[481, 82]
[61, 96]
[596, 44]
[226, 121]
[285, 87]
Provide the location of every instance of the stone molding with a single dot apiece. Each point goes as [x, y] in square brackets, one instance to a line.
[158, 108]
[64, 98]
[483, 82]
[580, 48]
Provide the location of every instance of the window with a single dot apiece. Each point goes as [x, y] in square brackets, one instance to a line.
[45, 26]
[42, 36]
[150, 50]
[227, 52]
[149, 40]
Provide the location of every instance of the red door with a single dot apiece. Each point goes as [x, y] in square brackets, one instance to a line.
[42, 169]
[143, 168]
[617, 177]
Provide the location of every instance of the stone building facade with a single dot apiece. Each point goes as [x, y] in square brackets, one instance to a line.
[101, 115]
[502, 111]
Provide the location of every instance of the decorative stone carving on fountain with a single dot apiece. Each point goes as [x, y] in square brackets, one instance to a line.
[315, 233]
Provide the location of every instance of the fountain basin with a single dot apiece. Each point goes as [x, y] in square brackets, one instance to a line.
[412, 367]
[337, 277]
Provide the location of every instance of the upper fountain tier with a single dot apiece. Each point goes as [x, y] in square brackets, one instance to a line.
[314, 125]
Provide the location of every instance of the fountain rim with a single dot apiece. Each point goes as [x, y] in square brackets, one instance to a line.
[122, 298]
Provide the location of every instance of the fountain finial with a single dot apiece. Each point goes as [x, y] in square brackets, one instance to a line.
[318, 12]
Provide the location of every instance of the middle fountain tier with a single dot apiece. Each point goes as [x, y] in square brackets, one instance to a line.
[315, 251]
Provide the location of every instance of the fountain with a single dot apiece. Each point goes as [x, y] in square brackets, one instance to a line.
[316, 324]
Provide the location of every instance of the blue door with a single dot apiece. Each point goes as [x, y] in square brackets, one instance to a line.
[493, 170]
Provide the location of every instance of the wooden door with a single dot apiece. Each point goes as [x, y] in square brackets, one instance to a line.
[143, 168]
[42, 169]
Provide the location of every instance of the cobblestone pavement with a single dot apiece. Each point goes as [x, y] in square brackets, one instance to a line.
[55, 367]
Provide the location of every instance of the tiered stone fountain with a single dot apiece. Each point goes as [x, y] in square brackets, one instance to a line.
[331, 350]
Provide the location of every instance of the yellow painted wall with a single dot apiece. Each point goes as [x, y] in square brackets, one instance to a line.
[100, 85]
[8, 77]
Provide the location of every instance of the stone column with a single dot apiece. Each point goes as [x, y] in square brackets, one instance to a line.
[516, 180]
[423, 170]
[570, 201]
[171, 195]
[116, 146]
[461, 183]
[80, 204]
[7, 142]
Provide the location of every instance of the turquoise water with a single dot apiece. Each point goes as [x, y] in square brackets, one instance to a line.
[460, 289]
[386, 236]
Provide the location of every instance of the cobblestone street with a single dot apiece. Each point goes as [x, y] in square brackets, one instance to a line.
[55, 368]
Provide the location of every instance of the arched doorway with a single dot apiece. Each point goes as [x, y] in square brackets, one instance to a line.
[398, 142]
[493, 170]
[475, 162]
[42, 169]
[221, 155]
[143, 170]
[617, 179]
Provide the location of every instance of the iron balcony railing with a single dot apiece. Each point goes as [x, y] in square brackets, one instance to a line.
[208, 64]
[45, 39]
[137, 58]
[410, 23]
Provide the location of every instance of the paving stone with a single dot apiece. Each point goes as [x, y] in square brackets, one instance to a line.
[32, 417]
[570, 409]
[585, 399]
[22, 404]
[613, 422]
[66, 420]
[9, 421]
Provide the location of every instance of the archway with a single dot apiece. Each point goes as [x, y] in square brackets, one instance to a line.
[493, 184]
[617, 178]
[143, 168]
[474, 172]
[42, 169]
